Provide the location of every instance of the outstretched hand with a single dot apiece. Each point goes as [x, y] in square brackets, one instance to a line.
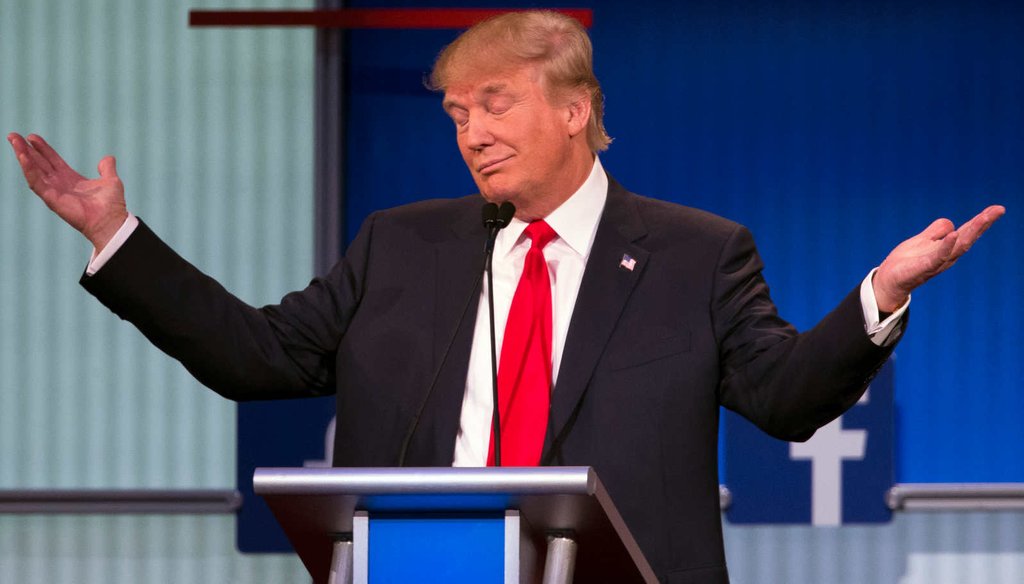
[95, 207]
[926, 255]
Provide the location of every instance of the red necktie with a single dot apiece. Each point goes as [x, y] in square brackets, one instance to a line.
[524, 370]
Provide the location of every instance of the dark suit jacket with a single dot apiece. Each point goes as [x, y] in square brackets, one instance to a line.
[650, 356]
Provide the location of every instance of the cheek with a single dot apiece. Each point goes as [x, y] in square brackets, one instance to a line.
[460, 143]
[467, 158]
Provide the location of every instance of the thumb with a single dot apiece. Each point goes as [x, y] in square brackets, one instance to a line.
[948, 243]
[108, 167]
[938, 229]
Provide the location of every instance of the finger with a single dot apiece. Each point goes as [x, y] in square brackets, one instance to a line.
[108, 167]
[953, 253]
[51, 156]
[36, 181]
[21, 147]
[32, 174]
[971, 231]
[38, 159]
[994, 211]
[23, 152]
[986, 218]
[938, 229]
[947, 246]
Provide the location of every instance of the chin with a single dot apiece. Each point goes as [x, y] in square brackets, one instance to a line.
[496, 194]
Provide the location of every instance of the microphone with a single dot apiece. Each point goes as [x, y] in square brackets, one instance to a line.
[490, 215]
[495, 219]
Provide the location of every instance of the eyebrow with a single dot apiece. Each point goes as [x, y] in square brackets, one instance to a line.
[488, 90]
[495, 88]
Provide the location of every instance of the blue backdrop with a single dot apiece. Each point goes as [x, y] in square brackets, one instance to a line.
[832, 129]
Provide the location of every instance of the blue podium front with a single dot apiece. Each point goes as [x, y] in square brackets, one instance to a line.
[441, 549]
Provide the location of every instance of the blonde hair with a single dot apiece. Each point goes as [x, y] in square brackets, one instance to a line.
[557, 44]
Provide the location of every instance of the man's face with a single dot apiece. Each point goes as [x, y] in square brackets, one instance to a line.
[514, 141]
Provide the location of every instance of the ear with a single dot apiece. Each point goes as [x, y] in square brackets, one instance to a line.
[578, 112]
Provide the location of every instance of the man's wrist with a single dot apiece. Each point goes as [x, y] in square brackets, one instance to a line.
[888, 302]
[883, 328]
[101, 255]
[102, 236]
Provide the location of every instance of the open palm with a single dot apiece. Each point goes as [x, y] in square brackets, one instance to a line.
[926, 255]
[95, 207]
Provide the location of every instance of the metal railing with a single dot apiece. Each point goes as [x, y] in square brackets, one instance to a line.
[939, 496]
[99, 501]
[901, 497]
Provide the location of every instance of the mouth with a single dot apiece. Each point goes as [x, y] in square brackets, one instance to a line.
[491, 165]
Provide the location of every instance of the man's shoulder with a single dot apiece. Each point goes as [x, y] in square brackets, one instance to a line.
[429, 208]
[672, 220]
[432, 218]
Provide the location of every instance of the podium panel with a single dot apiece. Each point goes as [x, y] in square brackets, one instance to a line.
[437, 549]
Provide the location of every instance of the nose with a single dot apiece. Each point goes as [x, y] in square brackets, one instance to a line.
[478, 133]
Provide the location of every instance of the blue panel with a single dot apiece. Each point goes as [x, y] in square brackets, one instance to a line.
[442, 549]
[833, 130]
[866, 481]
[280, 433]
[771, 480]
[766, 486]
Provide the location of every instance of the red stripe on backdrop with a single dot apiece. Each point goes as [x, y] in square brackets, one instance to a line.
[396, 18]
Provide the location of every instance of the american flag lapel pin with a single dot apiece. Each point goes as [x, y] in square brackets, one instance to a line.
[628, 262]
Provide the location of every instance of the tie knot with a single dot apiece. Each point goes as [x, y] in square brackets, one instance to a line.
[540, 233]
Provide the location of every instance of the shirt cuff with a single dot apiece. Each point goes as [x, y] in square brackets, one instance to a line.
[98, 260]
[888, 331]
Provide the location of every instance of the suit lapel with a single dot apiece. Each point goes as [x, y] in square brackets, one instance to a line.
[604, 291]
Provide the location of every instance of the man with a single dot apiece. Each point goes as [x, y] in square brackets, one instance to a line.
[656, 314]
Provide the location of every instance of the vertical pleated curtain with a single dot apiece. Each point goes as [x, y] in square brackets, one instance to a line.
[212, 130]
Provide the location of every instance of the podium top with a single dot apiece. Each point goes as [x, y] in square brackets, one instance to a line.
[551, 480]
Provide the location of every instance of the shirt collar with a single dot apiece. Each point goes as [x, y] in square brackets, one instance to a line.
[575, 221]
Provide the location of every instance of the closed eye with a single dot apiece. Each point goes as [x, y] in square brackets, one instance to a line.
[499, 104]
[459, 116]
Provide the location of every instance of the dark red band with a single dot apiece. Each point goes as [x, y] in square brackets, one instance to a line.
[366, 18]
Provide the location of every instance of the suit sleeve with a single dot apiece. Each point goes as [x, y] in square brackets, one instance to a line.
[239, 351]
[787, 383]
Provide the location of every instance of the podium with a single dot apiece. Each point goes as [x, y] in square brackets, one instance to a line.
[511, 525]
